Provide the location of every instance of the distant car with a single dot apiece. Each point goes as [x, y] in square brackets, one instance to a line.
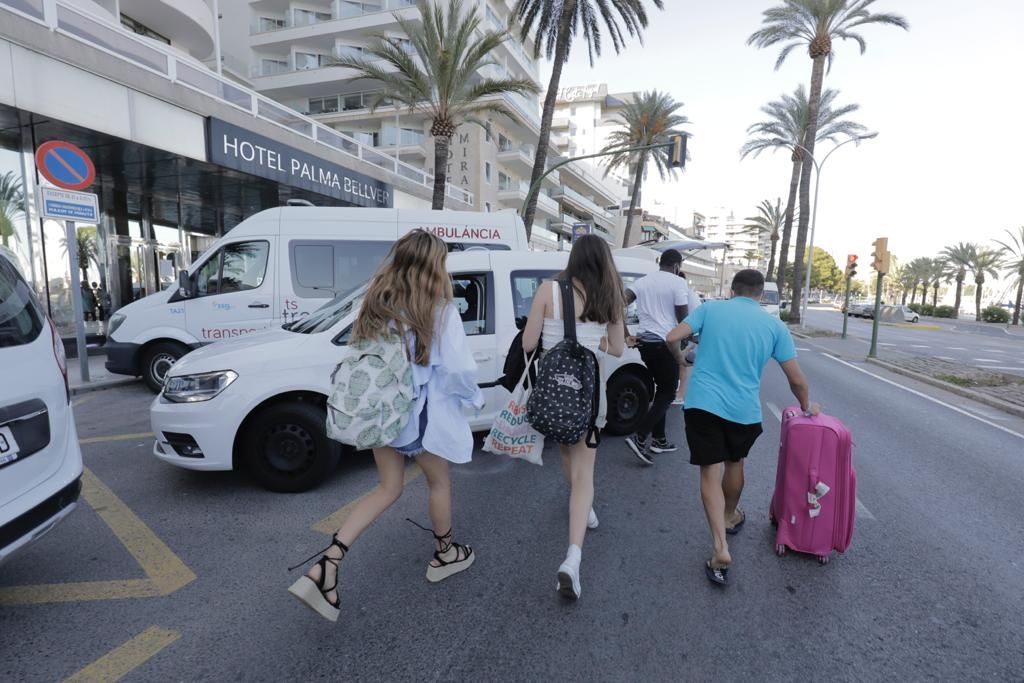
[40, 460]
[908, 315]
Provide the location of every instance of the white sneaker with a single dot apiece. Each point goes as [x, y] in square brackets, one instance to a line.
[592, 521]
[569, 574]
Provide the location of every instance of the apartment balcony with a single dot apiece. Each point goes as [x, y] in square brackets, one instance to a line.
[341, 17]
[560, 123]
[584, 204]
[548, 206]
[513, 191]
[517, 158]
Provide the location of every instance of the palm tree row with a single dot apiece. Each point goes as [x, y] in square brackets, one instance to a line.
[963, 260]
[813, 25]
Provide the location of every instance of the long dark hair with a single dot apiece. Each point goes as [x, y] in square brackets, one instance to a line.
[593, 274]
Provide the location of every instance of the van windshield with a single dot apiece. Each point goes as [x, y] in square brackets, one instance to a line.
[328, 315]
[20, 320]
[770, 298]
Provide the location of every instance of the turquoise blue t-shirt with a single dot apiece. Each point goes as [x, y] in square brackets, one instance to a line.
[736, 340]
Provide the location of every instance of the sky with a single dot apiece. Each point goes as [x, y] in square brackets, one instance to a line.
[946, 98]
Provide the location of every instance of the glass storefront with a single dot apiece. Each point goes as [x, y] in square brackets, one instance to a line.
[159, 212]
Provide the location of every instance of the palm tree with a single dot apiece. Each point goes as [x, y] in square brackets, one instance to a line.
[1014, 250]
[785, 128]
[814, 24]
[940, 273]
[440, 77]
[648, 120]
[12, 205]
[917, 274]
[960, 256]
[769, 220]
[88, 252]
[750, 255]
[554, 24]
[985, 262]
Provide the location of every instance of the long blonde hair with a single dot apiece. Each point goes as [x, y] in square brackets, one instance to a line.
[408, 289]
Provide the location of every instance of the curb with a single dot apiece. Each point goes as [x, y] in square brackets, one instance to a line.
[984, 399]
[103, 384]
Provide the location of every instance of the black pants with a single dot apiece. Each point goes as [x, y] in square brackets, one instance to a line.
[665, 371]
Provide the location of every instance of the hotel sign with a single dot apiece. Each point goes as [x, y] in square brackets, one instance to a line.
[242, 150]
[577, 93]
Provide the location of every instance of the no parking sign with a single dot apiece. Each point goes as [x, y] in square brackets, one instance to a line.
[65, 165]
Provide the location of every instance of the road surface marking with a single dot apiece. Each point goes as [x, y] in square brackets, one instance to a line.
[986, 360]
[79, 401]
[121, 661]
[957, 348]
[919, 346]
[165, 572]
[993, 351]
[116, 437]
[885, 344]
[802, 348]
[333, 521]
[1002, 367]
[985, 413]
[926, 397]
[952, 360]
[861, 510]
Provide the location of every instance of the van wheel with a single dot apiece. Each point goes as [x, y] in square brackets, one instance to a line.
[287, 449]
[157, 360]
[628, 400]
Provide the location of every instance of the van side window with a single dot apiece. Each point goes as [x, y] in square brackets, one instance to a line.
[475, 301]
[524, 287]
[234, 268]
[323, 269]
[632, 318]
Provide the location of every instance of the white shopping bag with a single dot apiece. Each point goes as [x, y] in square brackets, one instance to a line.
[511, 434]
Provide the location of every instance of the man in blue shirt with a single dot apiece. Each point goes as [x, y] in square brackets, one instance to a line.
[723, 400]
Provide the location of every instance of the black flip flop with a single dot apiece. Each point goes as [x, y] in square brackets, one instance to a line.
[716, 575]
[733, 530]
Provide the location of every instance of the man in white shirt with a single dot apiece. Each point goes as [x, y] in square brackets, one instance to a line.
[662, 300]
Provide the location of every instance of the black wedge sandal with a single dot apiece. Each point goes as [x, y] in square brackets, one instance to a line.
[312, 593]
[464, 557]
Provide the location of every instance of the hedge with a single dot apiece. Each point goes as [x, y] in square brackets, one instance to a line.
[995, 314]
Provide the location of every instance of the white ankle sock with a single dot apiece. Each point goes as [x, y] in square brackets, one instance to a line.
[574, 555]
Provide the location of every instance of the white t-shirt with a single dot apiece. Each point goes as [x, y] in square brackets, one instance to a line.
[657, 296]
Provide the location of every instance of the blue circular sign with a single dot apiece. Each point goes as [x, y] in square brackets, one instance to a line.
[65, 165]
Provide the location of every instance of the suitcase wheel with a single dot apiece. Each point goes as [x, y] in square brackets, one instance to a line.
[824, 559]
[780, 550]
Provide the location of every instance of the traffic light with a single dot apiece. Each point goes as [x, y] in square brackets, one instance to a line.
[881, 255]
[677, 154]
[851, 266]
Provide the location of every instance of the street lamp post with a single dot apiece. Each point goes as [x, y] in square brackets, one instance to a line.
[814, 211]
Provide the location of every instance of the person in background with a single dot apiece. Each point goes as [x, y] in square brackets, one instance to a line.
[723, 403]
[412, 291]
[661, 303]
[686, 349]
[88, 303]
[597, 297]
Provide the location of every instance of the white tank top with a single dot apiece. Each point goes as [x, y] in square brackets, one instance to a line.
[588, 334]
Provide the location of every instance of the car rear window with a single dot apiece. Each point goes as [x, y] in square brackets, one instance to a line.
[20, 319]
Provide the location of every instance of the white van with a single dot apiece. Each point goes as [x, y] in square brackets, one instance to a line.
[40, 460]
[276, 267]
[259, 403]
[770, 299]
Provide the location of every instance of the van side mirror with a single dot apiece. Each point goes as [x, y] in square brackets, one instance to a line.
[184, 285]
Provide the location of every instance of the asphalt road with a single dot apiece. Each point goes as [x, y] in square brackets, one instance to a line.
[931, 589]
[974, 344]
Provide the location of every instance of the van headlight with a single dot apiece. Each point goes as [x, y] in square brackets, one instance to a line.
[195, 388]
[115, 322]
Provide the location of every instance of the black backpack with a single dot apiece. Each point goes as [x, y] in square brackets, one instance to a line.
[566, 396]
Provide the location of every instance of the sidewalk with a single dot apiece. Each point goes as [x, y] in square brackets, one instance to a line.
[99, 378]
[996, 390]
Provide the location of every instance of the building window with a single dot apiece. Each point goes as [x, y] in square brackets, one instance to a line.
[263, 25]
[323, 105]
[487, 207]
[142, 30]
[305, 17]
[487, 172]
[487, 131]
[504, 144]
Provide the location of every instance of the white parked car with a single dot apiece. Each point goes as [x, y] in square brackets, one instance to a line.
[259, 402]
[279, 266]
[40, 460]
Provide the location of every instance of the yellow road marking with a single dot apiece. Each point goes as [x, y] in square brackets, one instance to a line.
[116, 437]
[165, 572]
[333, 521]
[82, 400]
[119, 662]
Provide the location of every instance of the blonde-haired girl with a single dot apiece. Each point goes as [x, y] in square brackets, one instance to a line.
[412, 293]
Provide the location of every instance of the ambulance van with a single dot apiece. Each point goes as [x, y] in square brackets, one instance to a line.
[277, 267]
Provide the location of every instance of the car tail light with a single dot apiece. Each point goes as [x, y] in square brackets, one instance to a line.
[62, 359]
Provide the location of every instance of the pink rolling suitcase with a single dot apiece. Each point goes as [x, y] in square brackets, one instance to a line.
[815, 499]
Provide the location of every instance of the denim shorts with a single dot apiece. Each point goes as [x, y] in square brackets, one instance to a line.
[416, 447]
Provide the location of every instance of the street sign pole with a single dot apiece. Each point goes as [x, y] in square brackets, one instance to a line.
[846, 305]
[873, 353]
[76, 300]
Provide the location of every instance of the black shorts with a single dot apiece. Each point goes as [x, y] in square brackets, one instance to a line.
[713, 439]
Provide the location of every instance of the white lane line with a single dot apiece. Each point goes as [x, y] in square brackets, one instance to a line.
[957, 348]
[885, 344]
[993, 351]
[946, 358]
[802, 348]
[861, 510]
[1002, 367]
[986, 360]
[919, 346]
[926, 397]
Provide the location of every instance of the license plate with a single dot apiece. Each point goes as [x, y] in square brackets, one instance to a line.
[8, 446]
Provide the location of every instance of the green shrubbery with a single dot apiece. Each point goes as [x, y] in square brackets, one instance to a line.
[944, 312]
[916, 308]
[995, 314]
[927, 309]
[784, 316]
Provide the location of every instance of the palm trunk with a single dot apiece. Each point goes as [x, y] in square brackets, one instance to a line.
[903, 301]
[813, 106]
[977, 300]
[441, 144]
[1020, 292]
[959, 293]
[633, 201]
[787, 228]
[935, 295]
[771, 258]
[540, 160]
